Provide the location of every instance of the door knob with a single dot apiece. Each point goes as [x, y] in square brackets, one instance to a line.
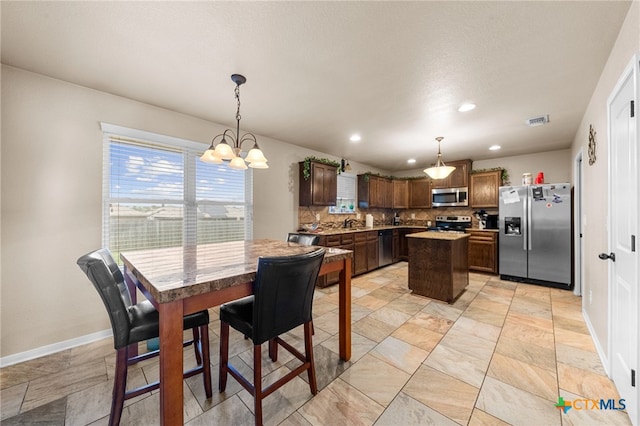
[605, 256]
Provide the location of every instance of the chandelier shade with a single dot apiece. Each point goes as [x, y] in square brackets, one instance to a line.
[230, 146]
[440, 170]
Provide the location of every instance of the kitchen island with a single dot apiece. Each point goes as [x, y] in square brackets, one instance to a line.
[438, 264]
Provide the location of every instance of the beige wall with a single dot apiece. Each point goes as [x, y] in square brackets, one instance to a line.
[595, 180]
[51, 178]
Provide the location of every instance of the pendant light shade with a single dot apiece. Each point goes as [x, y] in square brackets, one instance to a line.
[440, 170]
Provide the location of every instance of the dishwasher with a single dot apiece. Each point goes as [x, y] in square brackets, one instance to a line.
[385, 247]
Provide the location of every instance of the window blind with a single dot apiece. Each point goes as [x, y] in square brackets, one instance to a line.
[157, 193]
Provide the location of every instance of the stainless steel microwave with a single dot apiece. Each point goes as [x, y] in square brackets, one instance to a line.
[449, 197]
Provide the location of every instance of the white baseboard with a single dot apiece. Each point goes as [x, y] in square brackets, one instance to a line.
[53, 348]
[596, 342]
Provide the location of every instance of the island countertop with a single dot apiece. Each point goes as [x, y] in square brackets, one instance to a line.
[450, 236]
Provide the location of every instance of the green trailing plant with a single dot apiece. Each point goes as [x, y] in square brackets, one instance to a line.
[306, 171]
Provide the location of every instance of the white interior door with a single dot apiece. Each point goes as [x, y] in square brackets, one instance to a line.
[623, 233]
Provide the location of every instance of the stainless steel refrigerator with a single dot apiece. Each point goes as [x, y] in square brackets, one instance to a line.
[535, 234]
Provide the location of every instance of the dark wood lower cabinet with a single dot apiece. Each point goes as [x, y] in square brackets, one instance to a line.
[360, 253]
[483, 251]
[372, 250]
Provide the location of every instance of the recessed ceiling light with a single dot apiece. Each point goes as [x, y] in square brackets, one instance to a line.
[466, 107]
[355, 138]
[494, 147]
[411, 160]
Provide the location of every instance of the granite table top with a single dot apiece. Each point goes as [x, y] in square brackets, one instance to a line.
[175, 273]
[449, 236]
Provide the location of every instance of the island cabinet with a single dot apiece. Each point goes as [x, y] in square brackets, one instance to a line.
[438, 264]
[483, 192]
[321, 187]
[403, 247]
[374, 191]
[400, 194]
[459, 178]
[483, 250]
[420, 193]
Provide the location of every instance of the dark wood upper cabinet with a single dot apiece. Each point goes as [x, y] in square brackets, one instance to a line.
[374, 191]
[459, 178]
[400, 194]
[322, 186]
[420, 193]
[483, 192]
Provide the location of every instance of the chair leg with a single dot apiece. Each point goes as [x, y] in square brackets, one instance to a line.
[224, 356]
[119, 386]
[257, 383]
[308, 350]
[273, 350]
[196, 343]
[206, 359]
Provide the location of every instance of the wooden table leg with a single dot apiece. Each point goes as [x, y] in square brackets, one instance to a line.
[171, 363]
[344, 303]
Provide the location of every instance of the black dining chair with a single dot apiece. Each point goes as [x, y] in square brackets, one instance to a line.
[304, 239]
[132, 324]
[282, 301]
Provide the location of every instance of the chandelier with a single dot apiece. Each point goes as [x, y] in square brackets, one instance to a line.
[440, 170]
[231, 150]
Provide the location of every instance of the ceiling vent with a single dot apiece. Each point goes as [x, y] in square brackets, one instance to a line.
[538, 121]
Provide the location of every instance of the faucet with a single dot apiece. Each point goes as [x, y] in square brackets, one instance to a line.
[349, 223]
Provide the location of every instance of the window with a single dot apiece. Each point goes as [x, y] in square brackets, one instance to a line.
[346, 198]
[157, 193]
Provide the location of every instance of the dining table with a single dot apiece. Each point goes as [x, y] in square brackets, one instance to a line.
[183, 280]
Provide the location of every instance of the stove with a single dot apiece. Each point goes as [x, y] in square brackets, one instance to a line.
[455, 224]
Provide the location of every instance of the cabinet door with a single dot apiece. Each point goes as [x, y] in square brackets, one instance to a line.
[460, 176]
[400, 191]
[484, 189]
[360, 257]
[387, 193]
[483, 252]
[324, 184]
[372, 254]
[420, 193]
[396, 245]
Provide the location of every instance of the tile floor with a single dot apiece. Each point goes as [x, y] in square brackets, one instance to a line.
[501, 354]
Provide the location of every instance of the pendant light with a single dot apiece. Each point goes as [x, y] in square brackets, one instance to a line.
[216, 154]
[440, 170]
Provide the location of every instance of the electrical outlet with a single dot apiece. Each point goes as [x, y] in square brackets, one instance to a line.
[413, 215]
[382, 216]
[358, 216]
[317, 217]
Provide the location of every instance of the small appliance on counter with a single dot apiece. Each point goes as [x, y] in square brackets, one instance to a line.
[481, 215]
[396, 220]
[492, 221]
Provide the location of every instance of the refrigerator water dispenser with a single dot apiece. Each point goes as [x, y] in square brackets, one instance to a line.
[512, 226]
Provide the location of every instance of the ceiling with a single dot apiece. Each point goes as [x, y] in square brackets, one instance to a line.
[317, 72]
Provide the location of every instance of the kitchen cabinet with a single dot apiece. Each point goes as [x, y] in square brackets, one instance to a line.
[483, 251]
[420, 193]
[344, 241]
[400, 194]
[396, 245]
[459, 178]
[374, 191]
[360, 253]
[321, 189]
[372, 250]
[403, 248]
[483, 191]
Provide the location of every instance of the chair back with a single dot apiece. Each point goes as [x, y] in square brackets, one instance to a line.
[304, 239]
[283, 292]
[105, 275]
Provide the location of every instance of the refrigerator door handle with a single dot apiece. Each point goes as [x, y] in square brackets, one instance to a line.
[529, 220]
[525, 228]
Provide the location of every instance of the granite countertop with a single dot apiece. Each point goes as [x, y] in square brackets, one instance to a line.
[450, 236]
[176, 273]
[334, 231]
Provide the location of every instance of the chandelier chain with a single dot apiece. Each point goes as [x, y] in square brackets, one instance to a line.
[237, 92]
